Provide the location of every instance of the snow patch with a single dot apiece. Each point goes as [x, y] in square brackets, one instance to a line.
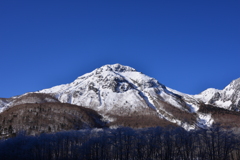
[107, 119]
[223, 104]
[229, 92]
[205, 120]
[2, 109]
[193, 108]
[206, 95]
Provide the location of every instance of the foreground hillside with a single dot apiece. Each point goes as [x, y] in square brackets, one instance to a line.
[34, 119]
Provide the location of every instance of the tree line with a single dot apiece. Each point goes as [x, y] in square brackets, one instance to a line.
[168, 143]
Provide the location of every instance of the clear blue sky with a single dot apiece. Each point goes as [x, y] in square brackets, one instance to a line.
[187, 45]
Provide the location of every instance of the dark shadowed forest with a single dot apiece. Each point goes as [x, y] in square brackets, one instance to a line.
[169, 143]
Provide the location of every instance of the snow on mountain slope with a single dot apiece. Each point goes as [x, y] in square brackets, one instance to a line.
[105, 86]
[3, 103]
[189, 99]
[202, 120]
[207, 95]
[118, 89]
[228, 98]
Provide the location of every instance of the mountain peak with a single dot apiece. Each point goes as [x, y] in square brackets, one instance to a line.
[227, 98]
[235, 83]
[116, 68]
[233, 87]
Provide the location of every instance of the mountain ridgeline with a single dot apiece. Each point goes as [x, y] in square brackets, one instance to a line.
[117, 95]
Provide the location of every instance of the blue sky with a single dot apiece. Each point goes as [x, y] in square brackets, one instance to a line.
[186, 45]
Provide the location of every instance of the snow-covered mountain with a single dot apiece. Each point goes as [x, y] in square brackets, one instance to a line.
[115, 86]
[123, 91]
[228, 98]
[117, 91]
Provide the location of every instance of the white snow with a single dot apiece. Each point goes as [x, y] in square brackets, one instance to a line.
[229, 92]
[206, 95]
[189, 99]
[205, 120]
[194, 108]
[107, 118]
[223, 104]
[1, 109]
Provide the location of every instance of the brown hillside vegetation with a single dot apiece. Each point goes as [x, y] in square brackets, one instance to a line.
[47, 117]
[5, 99]
[182, 115]
[141, 121]
[222, 116]
[34, 98]
[143, 118]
